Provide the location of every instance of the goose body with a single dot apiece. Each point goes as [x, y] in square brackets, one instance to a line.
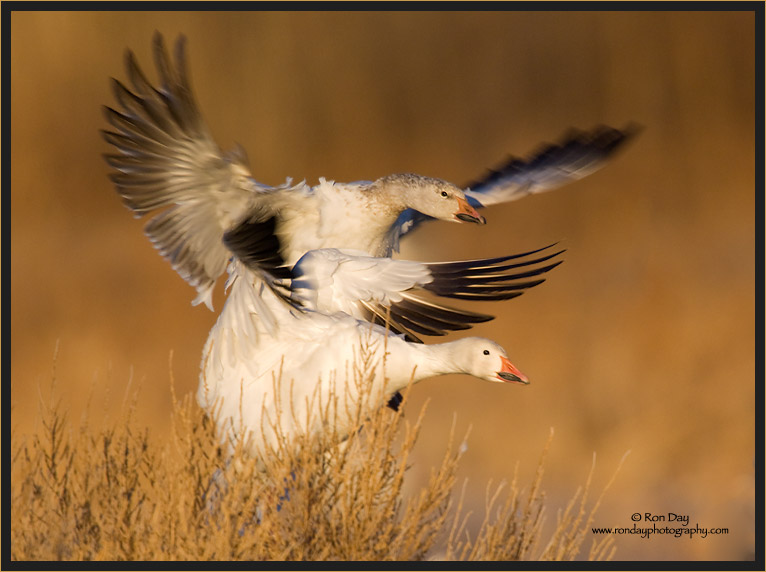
[287, 342]
[299, 370]
[167, 163]
[318, 217]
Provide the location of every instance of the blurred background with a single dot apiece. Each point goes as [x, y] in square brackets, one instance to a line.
[643, 340]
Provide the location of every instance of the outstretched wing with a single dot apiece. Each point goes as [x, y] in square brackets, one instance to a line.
[394, 292]
[489, 279]
[167, 160]
[578, 154]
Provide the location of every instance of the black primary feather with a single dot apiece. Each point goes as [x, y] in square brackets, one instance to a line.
[256, 244]
[576, 150]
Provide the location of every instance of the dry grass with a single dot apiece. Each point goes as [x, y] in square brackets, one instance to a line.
[118, 493]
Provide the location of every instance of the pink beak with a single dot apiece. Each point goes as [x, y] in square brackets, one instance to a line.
[466, 213]
[509, 372]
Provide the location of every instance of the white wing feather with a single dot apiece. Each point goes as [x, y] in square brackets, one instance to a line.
[331, 280]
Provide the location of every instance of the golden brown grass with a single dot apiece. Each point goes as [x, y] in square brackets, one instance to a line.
[118, 493]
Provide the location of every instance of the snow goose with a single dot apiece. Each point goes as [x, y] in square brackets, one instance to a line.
[274, 360]
[167, 161]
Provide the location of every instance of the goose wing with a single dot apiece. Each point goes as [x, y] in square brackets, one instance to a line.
[395, 293]
[576, 155]
[502, 278]
[389, 292]
[164, 159]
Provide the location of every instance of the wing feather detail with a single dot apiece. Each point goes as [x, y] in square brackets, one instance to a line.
[576, 155]
[165, 158]
[477, 280]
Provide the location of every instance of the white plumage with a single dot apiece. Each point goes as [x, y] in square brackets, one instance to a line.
[167, 159]
[265, 378]
[310, 282]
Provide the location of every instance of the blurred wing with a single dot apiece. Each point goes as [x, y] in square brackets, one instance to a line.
[166, 159]
[577, 155]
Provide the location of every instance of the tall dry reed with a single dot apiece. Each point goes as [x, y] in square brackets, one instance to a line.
[117, 492]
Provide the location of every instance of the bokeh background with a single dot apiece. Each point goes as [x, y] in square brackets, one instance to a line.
[643, 340]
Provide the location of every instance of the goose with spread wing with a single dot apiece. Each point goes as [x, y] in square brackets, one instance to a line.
[277, 364]
[167, 164]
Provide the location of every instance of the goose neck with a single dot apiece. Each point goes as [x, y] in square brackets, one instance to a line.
[433, 360]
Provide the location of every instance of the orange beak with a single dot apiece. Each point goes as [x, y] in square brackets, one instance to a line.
[466, 213]
[509, 372]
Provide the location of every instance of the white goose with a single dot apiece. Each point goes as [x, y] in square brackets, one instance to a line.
[167, 159]
[274, 361]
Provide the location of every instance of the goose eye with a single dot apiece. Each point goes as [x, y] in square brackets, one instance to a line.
[486, 352]
[445, 194]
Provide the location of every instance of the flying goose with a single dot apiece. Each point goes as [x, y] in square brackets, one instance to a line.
[167, 163]
[276, 364]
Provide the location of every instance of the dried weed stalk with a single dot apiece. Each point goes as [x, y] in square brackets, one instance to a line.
[117, 493]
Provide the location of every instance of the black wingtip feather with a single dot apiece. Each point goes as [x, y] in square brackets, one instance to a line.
[440, 312]
[445, 267]
[256, 244]
[486, 297]
[480, 291]
[483, 280]
[475, 280]
[486, 273]
[591, 148]
[379, 316]
[415, 326]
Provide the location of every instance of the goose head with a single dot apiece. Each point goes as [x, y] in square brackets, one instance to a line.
[432, 197]
[486, 360]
